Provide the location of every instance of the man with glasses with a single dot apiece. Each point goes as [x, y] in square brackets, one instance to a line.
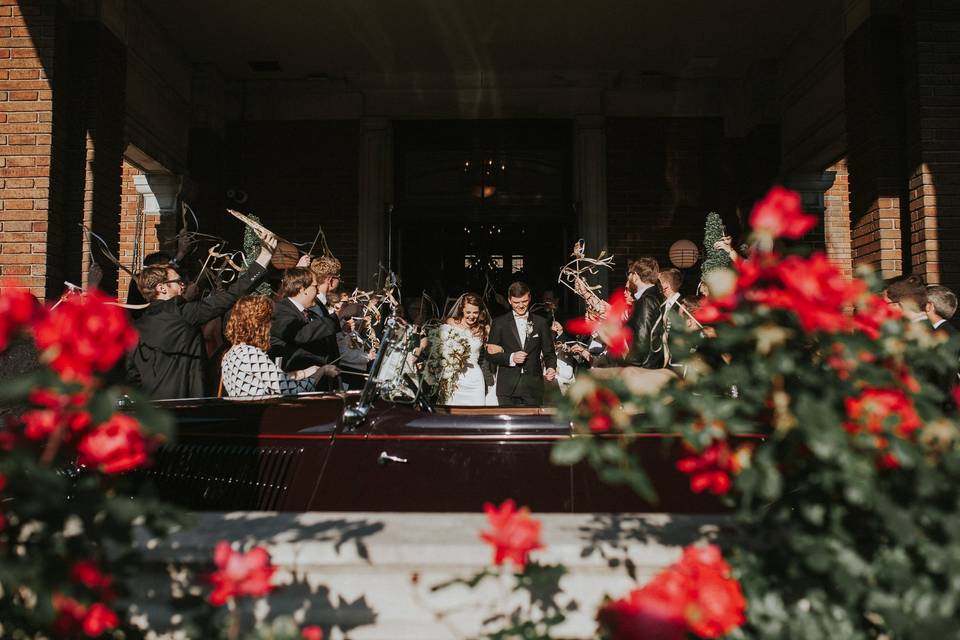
[169, 359]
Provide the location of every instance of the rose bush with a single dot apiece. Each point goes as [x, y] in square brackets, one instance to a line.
[67, 502]
[813, 410]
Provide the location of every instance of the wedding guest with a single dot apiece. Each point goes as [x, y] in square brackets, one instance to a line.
[304, 333]
[941, 306]
[168, 361]
[247, 369]
[646, 349]
[910, 295]
[354, 358]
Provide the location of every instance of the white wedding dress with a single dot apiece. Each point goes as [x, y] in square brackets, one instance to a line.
[471, 388]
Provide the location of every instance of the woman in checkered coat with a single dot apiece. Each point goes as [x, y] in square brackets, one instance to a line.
[248, 371]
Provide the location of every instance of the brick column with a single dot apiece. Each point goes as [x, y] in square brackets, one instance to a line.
[26, 131]
[875, 160]
[932, 61]
[836, 218]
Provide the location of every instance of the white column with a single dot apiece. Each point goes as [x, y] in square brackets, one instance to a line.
[376, 195]
[159, 191]
[590, 183]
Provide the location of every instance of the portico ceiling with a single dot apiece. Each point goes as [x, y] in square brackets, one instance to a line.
[352, 39]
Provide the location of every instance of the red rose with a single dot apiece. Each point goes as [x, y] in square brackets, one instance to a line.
[870, 410]
[69, 618]
[779, 215]
[646, 614]
[515, 534]
[240, 574]
[312, 633]
[87, 573]
[115, 446]
[84, 335]
[597, 405]
[610, 328]
[710, 469]
[17, 308]
[696, 594]
[99, 619]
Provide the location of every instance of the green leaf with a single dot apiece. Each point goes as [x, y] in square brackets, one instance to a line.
[570, 451]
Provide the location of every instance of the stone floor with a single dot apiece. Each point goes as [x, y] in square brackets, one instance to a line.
[369, 575]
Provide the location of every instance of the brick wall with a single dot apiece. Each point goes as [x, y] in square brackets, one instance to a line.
[665, 175]
[836, 218]
[298, 175]
[27, 30]
[875, 157]
[932, 60]
[132, 242]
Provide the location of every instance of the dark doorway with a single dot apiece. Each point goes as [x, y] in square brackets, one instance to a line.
[480, 204]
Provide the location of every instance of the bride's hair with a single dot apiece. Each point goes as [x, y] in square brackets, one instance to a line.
[483, 321]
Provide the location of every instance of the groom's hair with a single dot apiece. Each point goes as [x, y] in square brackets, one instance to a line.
[518, 290]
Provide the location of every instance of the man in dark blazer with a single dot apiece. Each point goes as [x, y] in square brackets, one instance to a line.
[941, 307]
[303, 333]
[646, 349]
[528, 356]
[170, 356]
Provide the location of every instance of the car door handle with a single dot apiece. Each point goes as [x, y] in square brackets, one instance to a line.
[386, 457]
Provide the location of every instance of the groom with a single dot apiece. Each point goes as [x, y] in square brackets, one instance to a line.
[527, 347]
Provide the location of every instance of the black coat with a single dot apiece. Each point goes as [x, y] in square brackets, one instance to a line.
[302, 343]
[646, 348]
[169, 359]
[521, 384]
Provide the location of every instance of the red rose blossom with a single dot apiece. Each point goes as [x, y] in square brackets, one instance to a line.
[598, 404]
[710, 469]
[696, 594]
[69, 619]
[99, 619]
[610, 328]
[312, 632]
[84, 335]
[870, 410]
[779, 215]
[115, 446]
[87, 573]
[515, 534]
[240, 574]
[18, 308]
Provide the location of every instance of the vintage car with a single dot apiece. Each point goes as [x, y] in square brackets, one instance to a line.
[387, 448]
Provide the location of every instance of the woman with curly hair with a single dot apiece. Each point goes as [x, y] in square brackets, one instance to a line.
[247, 369]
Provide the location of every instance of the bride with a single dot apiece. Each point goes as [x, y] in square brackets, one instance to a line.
[470, 319]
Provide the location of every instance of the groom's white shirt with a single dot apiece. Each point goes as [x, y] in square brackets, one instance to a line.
[521, 322]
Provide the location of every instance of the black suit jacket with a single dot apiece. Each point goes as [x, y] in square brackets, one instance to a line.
[646, 349]
[170, 358]
[302, 343]
[522, 384]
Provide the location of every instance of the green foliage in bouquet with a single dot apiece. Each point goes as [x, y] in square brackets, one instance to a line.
[712, 233]
[818, 415]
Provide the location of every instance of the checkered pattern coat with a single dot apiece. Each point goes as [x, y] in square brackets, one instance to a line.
[250, 373]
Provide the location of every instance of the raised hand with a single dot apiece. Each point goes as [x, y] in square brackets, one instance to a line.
[304, 260]
[268, 244]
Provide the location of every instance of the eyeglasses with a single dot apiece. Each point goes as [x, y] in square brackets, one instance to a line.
[178, 281]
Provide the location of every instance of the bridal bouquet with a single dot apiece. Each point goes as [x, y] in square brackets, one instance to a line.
[449, 354]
